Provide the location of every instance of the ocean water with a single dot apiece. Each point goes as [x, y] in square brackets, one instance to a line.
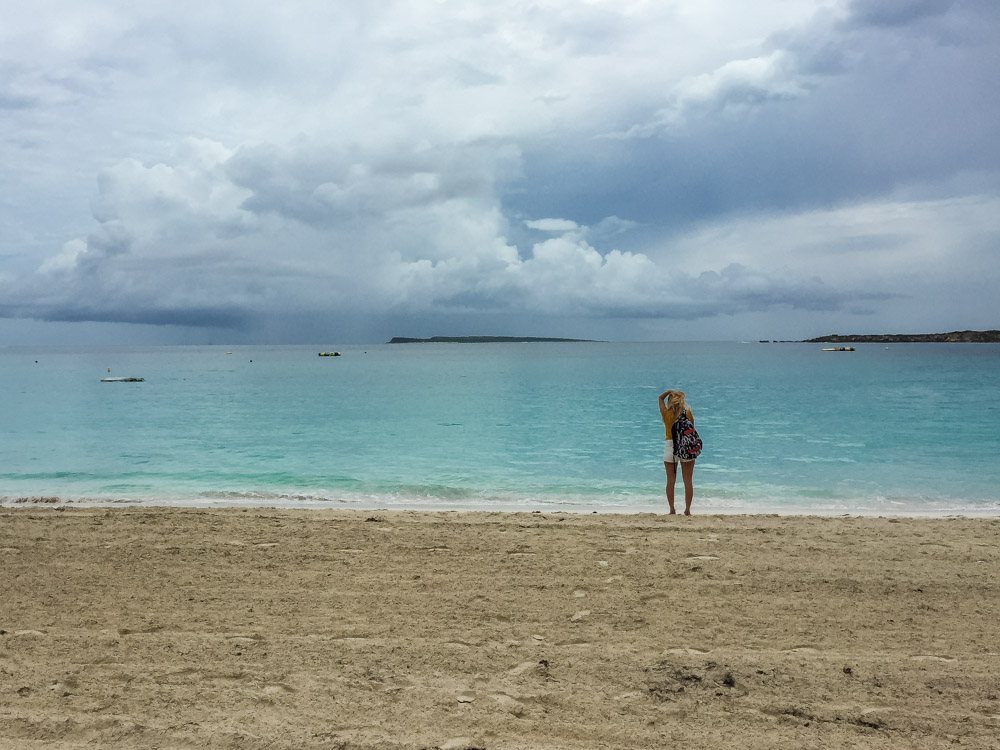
[912, 428]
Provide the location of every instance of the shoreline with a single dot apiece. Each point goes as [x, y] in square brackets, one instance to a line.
[143, 627]
[320, 505]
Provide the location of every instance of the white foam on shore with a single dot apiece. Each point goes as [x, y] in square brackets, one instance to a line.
[567, 504]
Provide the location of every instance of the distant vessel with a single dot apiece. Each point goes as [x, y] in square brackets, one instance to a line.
[329, 354]
[840, 349]
[122, 380]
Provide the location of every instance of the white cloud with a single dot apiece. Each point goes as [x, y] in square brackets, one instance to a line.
[743, 83]
[66, 260]
[552, 225]
[884, 244]
[733, 90]
[612, 225]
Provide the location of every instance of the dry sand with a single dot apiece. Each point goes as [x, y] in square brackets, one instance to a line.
[184, 628]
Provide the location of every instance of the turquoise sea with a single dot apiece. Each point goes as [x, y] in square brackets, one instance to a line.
[912, 428]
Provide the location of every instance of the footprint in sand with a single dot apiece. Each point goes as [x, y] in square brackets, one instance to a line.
[266, 545]
[685, 651]
[63, 689]
[540, 667]
[149, 630]
[579, 593]
[702, 557]
[579, 615]
[509, 704]
[276, 690]
[613, 579]
[245, 637]
[182, 676]
[628, 696]
[466, 696]
[524, 666]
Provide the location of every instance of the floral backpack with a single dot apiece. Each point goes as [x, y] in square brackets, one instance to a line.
[687, 442]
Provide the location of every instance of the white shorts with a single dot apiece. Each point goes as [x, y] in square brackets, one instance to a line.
[669, 457]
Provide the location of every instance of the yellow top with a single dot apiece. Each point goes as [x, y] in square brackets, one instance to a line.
[665, 415]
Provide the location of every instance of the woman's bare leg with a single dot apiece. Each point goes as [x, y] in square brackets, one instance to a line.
[687, 471]
[671, 478]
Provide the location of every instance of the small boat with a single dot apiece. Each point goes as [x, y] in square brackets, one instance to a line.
[329, 354]
[123, 380]
[840, 349]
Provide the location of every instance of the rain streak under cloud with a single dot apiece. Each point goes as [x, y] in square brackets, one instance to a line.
[312, 171]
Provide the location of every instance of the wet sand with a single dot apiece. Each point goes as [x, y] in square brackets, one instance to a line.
[261, 628]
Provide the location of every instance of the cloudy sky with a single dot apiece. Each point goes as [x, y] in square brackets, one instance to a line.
[317, 171]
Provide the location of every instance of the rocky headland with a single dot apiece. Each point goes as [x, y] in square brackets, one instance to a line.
[954, 337]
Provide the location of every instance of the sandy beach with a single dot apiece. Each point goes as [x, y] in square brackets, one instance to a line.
[261, 628]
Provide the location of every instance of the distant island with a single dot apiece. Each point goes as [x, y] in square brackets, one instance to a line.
[481, 340]
[955, 337]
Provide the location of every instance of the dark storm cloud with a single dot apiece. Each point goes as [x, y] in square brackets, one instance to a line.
[194, 317]
[893, 13]
[877, 110]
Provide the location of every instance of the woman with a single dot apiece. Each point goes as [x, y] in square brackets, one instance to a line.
[669, 411]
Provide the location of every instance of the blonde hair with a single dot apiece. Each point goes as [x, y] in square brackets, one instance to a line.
[675, 404]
